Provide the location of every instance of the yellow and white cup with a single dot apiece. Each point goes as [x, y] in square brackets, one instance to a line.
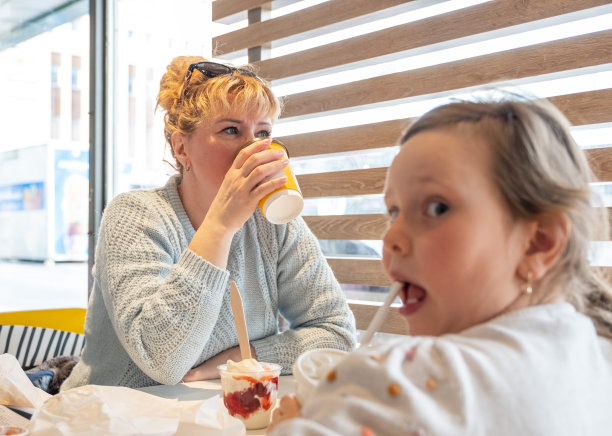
[285, 203]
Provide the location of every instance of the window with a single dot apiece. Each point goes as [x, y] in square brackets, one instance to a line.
[44, 158]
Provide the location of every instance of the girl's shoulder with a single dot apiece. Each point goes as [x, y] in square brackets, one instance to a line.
[533, 335]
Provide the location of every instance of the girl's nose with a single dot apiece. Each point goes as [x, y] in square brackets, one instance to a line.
[396, 240]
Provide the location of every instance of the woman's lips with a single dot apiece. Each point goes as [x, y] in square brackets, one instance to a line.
[413, 298]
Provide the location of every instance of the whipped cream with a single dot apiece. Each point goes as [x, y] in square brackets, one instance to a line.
[246, 365]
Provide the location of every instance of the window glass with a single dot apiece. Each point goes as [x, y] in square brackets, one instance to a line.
[145, 44]
[44, 158]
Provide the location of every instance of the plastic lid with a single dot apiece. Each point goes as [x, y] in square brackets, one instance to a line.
[312, 366]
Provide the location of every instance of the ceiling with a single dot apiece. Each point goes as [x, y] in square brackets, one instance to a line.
[23, 19]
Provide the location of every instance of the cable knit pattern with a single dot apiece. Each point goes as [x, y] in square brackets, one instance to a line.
[157, 309]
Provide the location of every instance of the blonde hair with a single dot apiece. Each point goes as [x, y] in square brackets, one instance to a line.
[205, 98]
[539, 169]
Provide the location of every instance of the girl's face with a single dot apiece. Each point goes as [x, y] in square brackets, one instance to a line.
[451, 239]
[213, 145]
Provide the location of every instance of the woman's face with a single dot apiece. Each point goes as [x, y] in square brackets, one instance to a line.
[451, 239]
[212, 147]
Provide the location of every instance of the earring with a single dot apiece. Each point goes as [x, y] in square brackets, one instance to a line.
[528, 286]
[187, 168]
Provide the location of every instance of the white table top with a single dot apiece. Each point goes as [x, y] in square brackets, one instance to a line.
[202, 390]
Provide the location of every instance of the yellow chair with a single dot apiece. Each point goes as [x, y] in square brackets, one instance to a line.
[68, 320]
[34, 336]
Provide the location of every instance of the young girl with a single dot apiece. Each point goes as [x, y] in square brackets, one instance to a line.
[489, 228]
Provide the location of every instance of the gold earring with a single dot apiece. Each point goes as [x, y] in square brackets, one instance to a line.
[528, 287]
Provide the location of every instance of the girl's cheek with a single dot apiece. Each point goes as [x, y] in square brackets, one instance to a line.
[385, 259]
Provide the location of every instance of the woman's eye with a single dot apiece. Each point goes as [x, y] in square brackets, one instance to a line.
[232, 130]
[436, 208]
[263, 134]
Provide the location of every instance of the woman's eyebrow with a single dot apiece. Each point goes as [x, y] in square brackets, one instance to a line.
[231, 120]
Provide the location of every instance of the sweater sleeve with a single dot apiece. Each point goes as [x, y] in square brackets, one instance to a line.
[310, 299]
[163, 301]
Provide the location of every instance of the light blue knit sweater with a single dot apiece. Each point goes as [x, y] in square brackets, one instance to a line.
[157, 309]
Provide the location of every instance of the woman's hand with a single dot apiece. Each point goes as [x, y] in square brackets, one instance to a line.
[248, 180]
[208, 370]
[289, 407]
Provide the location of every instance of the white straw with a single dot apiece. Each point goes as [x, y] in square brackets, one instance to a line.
[380, 314]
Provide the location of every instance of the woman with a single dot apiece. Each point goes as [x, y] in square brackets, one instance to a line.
[160, 311]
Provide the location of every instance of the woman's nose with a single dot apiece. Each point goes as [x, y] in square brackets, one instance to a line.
[396, 240]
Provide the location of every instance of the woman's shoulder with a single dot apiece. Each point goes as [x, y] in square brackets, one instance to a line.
[137, 206]
[139, 199]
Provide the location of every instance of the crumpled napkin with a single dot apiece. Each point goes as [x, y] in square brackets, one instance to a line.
[16, 389]
[111, 410]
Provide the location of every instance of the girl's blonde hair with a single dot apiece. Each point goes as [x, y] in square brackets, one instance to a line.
[205, 98]
[540, 169]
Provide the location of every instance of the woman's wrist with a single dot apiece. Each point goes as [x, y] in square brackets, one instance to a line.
[212, 242]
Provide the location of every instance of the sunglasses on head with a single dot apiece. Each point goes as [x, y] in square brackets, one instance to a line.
[210, 70]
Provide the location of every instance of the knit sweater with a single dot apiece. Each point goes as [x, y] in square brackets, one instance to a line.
[157, 309]
[542, 370]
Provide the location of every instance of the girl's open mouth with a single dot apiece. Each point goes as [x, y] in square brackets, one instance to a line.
[413, 297]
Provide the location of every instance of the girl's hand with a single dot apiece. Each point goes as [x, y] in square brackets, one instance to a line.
[288, 408]
[248, 180]
[208, 370]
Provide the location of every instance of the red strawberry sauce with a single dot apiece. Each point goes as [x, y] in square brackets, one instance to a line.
[249, 400]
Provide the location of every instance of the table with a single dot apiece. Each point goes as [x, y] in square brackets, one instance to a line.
[201, 390]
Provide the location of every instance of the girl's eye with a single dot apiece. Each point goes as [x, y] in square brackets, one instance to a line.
[436, 208]
[263, 134]
[392, 213]
[232, 130]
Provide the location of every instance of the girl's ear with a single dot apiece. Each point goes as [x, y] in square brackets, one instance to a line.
[178, 145]
[548, 236]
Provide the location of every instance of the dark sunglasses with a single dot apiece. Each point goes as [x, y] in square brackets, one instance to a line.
[210, 70]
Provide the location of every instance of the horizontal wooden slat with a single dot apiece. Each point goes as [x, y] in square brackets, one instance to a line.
[571, 53]
[362, 182]
[314, 17]
[356, 271]
[346, 227]
[367, 136]
[580, 108]
[600, 160]
[365, 311]
[372, 181]
[225, 8]
[395, 323]
[586, 107]
[464, 22]
[361, 227]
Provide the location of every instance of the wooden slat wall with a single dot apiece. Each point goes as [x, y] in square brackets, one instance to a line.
[330, 12]
[591, 52]
[225, 8]
[571, 53]
[465, 22]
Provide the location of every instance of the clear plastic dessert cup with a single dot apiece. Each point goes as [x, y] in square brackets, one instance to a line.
[312, 366]
[249, 394]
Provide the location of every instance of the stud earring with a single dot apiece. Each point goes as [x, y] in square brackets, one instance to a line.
[187, 168]
[528, 286]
